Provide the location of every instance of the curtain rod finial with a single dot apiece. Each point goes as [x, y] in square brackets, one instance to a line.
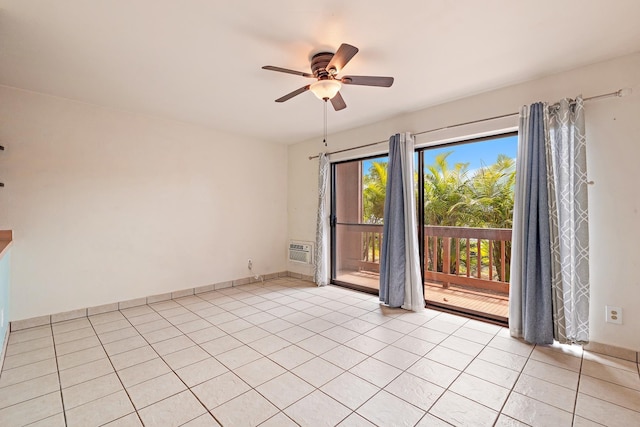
[624, 92]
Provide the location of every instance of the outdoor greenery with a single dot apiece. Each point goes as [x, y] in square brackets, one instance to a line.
[455, 196]
[373, 193]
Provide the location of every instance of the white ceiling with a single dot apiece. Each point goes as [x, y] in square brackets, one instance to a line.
[199, 60]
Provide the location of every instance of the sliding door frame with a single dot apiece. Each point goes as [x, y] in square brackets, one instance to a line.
[421, 224]
[334, 222]
[485, 317]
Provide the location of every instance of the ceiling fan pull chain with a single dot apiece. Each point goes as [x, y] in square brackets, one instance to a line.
[325, 122]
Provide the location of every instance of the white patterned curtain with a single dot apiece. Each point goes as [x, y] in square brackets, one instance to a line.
[321, 273]
[568, 199]
[549, 293]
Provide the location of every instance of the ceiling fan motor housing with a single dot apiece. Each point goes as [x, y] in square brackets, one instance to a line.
[319, 63]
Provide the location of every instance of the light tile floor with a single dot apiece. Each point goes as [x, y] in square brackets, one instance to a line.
[287, 353]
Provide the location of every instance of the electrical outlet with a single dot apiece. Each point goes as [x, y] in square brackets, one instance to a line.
[250, 264]
[613, 314]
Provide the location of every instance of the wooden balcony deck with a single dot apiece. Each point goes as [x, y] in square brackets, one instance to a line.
[493, 304]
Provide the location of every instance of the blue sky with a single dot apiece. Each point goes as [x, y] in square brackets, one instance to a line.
[476, 154]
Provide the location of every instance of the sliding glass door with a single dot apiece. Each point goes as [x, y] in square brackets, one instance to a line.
[467, 210]
[465, 203]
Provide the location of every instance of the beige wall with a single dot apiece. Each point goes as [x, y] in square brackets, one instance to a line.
[613, 132]
[108, 206]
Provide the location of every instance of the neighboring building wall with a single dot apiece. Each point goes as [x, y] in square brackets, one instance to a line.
[108, 206]
[613, 129]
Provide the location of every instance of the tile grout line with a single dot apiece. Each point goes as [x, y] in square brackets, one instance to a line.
[575, 401]
[555, 366]
[294, 344]
[391, 344]
[232, 370]
[29, 379]
[511, 391]
[451, 334]
[198, 345]
[3, 348]
[291, 344]
[604, 400]
[426, 412]
[579, 372]
[111, 363]
[115, 372]
[185, 384]
[520, 373]
[499, 412]
[457, 376]
[172, 370]
[608, 381]
[35, 378]
[402, 370]
[55, 355]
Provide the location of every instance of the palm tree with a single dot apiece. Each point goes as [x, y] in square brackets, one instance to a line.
[445, 192]
[446, 199]
[373, 197]
[491, 192]
[453, 196]
[373, 194]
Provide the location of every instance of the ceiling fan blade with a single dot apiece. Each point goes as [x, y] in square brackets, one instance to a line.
[286, 70]
[342, 56]
[367, 81]
[294, 93]
[338, 102]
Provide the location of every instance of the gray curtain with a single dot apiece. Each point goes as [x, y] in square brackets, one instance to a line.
[400, 279]
[549, 293]
[393, 258]
[567, 169]
[321, 258]
[535, 268]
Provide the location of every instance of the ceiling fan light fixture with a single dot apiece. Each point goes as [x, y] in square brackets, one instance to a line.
[325, 89]
[324, 67]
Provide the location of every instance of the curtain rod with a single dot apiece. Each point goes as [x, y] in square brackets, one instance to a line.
[618, 93]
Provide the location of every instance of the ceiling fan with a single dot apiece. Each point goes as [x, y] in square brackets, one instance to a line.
[325, 67]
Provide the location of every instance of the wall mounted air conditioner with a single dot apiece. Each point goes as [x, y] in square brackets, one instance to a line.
[301, 252]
